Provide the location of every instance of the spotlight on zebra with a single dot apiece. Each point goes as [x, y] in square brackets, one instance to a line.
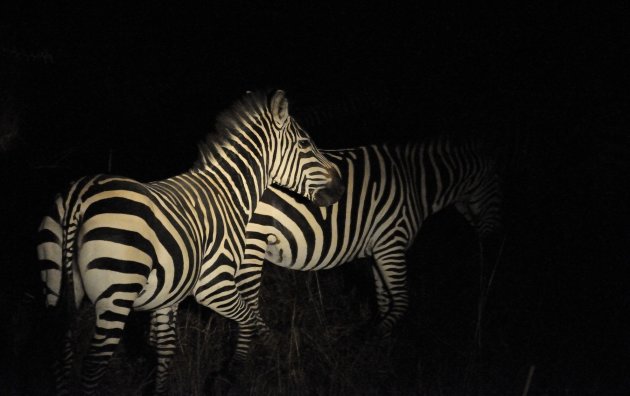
[125, 245]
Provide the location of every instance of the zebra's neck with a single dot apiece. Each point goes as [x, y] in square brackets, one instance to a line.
[238, 170]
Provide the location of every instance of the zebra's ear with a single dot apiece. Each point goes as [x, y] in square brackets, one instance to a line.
[279, 108]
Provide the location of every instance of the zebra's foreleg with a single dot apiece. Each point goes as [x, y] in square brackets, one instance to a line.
[390, 278]
[383, 302]
[228, 302]
[248, 281]
[163, 338]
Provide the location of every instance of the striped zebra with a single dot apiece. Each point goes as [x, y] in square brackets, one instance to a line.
[390, 191]
[146, 246]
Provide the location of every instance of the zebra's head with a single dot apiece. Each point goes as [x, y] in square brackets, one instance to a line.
[296, 163]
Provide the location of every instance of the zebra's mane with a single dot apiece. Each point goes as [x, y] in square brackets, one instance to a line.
[229, 125]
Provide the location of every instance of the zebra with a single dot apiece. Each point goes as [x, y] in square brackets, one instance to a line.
[390, 191]
[129, 245]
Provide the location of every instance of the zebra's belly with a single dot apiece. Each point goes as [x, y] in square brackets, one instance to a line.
[309, 256]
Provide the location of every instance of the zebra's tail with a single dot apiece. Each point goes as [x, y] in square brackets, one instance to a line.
[56, 249]
[56, 252]
[69, 225]
[49, 252]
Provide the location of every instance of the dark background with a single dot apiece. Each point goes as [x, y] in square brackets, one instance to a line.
[131, 89]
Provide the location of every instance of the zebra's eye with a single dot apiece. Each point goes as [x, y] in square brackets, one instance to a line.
[303, 143]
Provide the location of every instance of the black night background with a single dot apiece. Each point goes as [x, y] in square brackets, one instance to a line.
[131, 89]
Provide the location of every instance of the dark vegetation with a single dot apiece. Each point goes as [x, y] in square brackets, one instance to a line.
[131, 91]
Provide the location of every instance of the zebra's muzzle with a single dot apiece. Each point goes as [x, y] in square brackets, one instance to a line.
[331, 193]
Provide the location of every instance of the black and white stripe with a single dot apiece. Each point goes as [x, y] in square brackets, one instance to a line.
[390, 191]
[146, 246]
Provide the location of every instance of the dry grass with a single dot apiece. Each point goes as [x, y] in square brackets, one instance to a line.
[322, 344]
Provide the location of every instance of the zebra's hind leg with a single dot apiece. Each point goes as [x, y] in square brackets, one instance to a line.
[163, 338]
[62, 366]
[112, 311]
[390, 278]
[63, 363]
